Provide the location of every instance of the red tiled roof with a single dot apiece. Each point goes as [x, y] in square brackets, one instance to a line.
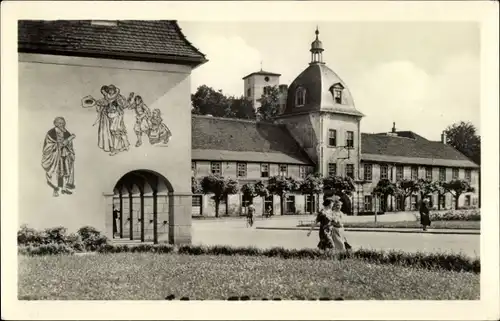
[248, 140]
[409, 147]
[146, 40]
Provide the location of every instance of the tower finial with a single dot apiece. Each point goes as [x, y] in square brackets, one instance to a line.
[393, 127]
[317, 32]
[261, 65]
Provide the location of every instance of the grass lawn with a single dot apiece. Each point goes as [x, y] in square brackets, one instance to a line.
[453, 225]
[147, 276]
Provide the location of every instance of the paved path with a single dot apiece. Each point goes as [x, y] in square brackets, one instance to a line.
[387, 230]
[236, 233]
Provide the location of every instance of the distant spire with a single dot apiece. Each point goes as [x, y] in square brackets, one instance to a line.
[393, 127]
[261, 65]
[317, 32]
[316, 49]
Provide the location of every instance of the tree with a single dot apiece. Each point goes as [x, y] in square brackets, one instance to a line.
[241, 108]
[269, 104]
[250, 191]
[219, 186]
[312, 185]
[463, 137]
[456, 188]
[280, 185]
[342, 187]
[195, 186]
[407, 187]
[208, 101]
[384, 188]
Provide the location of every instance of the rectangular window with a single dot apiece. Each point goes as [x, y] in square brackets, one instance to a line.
[216, 168]
[249, 92]
[468, 175]
[414, 172]
[454, 173]
[467, 200]
[268, 205]
[350, 139]
[337, 94]
[310, 204]
[368, 172]
[368, 206]
[399, 173]
[264, 170]
[384, 172]
[283, 170]
[349, 170]
[193, 168]
[442, 201]
[442, 174]
[196, 200]
[242, 169]
[428, 173]
[332, 169]
[414, 202]
[332, 137]
[290, 204]
[302, 171]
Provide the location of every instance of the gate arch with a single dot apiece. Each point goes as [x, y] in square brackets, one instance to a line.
[141, 207]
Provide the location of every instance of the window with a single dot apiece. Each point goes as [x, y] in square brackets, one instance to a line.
[384, 172]
[414, 202]
[193, 168]
[242, 169]
[303, 171]
[300, 97]
[264, 170]
[468, 175]
[455, 173]
[399, 173]
[467, 200]
[442, 174]
[368, 172]
[290, 204]
[266, 79]
[249, 92]
[216, 168]
[196, 200]
[368, 206]
[414, 172]
[349, 140]
[310, 204]
[332, 169]
[267, 90]
[442, 201]
[428, 173]
[283, 170]
[268, 205]
[349, 170]
[336, 91]
[332, 137]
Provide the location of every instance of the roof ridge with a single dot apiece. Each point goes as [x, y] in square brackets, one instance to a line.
[237, 120]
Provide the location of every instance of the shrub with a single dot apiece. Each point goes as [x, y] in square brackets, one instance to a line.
[92, 238]
[26, 236]
[455, 215]
[46, 249]
[56, 235]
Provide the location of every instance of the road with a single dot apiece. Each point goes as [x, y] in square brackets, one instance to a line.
[236, 233]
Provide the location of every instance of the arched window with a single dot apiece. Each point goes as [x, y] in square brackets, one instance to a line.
[337, 90]
[300, 97]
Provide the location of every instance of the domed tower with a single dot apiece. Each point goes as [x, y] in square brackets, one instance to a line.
[321, 115]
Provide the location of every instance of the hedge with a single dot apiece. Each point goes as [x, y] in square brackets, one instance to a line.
[455, 215]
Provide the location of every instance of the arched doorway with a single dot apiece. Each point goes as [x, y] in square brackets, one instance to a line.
[141, 207]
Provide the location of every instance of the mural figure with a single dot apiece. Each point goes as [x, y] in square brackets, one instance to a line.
[58, 158]
[142, 116]
[159, 133]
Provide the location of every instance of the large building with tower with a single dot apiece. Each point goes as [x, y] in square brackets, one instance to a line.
[105, 126]
[319, 130]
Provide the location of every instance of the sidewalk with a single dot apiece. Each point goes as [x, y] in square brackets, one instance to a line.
[386, 230]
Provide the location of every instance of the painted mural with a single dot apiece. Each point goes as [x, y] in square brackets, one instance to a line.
[112, 133]
[58, 158]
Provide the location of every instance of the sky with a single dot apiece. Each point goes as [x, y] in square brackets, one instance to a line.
[424, 76]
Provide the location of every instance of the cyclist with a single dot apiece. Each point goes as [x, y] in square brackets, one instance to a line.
[250, 214]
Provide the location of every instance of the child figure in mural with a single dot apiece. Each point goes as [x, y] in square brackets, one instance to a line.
[142, 116]
[159, 133]
[58, 158]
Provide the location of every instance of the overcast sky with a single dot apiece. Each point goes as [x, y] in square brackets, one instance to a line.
[423, 76]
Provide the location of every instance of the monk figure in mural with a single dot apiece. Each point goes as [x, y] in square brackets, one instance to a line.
[58, 158]
[159, 133]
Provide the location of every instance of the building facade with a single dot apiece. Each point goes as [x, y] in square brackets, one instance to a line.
[321, 119]
[105, 124]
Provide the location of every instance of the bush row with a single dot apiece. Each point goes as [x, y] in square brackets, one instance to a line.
[455, 215]
[87, 238]
[248, 298]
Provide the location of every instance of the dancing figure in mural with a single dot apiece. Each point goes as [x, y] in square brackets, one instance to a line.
[116, 106]
[159, 133]
[142, 116]
[58, 158]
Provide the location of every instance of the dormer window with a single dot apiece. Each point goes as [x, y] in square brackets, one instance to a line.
[337, 91]
[300, 97]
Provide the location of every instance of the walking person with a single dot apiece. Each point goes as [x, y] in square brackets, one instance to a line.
[326, 220]
[425, 219]
[116, 216]
[250, 214]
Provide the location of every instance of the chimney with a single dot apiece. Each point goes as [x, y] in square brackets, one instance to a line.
[443, 138]
[394, 127]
